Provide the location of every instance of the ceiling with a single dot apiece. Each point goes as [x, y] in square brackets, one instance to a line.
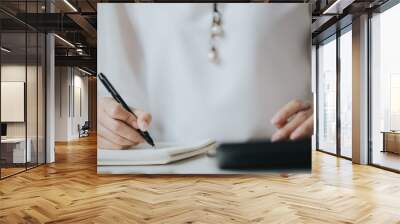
[75, 22]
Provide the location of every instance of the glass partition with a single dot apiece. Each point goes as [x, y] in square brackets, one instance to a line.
[41, 111]
[13, 105]
[23, 91]
[32, 95]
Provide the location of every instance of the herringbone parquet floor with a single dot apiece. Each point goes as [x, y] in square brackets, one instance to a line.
[70, 191]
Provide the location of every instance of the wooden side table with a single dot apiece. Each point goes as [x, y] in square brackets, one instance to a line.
[391, 141]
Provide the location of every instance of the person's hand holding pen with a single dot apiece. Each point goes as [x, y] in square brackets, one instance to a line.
[117, 126]
[294, 121]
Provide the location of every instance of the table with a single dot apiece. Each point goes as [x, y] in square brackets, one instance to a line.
[391, 141]
[16, 147]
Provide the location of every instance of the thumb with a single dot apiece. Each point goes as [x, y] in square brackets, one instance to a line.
[143, 119]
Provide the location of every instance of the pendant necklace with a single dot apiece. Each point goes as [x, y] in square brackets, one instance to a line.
[216, 32]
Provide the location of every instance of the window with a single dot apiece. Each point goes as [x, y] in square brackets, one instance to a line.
[385, 89]
[346, 93]
[327, 96]
[335, 94]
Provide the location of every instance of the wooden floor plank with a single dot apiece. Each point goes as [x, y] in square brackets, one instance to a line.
[70, 191]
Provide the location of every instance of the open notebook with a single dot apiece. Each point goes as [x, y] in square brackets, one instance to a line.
[145, 155]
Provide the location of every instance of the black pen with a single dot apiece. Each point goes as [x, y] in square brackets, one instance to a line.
[119, 99]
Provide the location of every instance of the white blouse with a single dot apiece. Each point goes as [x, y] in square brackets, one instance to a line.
[156, 57]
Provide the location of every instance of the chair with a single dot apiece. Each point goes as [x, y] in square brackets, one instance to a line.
[84, 130]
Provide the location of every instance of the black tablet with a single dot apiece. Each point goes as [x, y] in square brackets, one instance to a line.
[283, 155]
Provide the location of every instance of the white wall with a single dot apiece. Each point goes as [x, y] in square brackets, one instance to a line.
[79, 117]
[34, 125]
[70, 81]
[12, 73]
[50, 95]
[360, 90]
[61, 103]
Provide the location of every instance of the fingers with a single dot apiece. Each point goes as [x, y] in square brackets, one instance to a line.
[282, 116]
[140, 120]
[116, 111]
[306, 129]
[103, 143]
[118, 128]
[115, 138]
[143, 119]
[286, 131]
